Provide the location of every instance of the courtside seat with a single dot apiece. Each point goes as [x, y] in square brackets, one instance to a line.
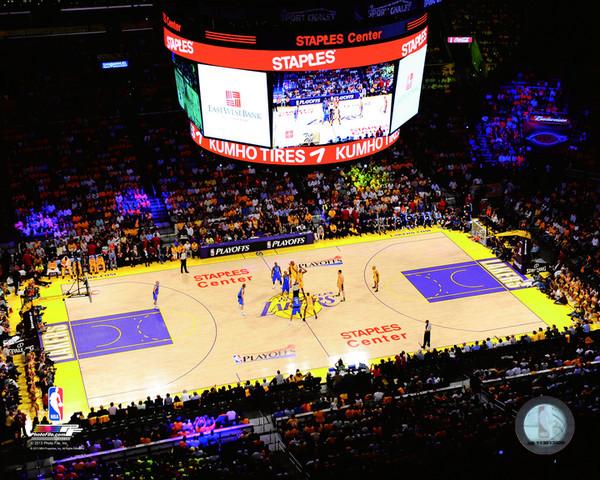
[53, 268]
[104, 419]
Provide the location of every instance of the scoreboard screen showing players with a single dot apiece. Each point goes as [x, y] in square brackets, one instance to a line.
[332, 106]
[292, 97]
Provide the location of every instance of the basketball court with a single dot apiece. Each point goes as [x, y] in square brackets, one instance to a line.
[125, 349]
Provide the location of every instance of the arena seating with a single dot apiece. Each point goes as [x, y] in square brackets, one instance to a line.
[501, 131]
[371, 421]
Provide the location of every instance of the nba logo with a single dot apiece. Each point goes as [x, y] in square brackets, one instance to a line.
[409, 81]
[55, 404]
[233, 99]
[212, 252]
[268, 244]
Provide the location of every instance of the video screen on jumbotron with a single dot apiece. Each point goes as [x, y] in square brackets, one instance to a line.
[332, 106]
[235, 105]
[186, 82]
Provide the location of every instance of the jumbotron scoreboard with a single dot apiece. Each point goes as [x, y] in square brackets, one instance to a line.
[303, 85]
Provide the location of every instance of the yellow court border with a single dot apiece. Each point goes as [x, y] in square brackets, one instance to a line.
[69, 375]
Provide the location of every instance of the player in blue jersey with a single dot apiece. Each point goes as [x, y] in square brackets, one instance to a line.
[276, 274]
[155, 293]
[285, 285]
[241, 296]
[296, 304]
[325, 106]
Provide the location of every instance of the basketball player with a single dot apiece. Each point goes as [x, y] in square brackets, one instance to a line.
[336, 111]
[296, 290]
[309, 306]
[375, 279]
[295, 307]
[285, 285]
[325, 106]
[276, 274]
[340, 285]
[293, 269]
[331, 111]
[155, 293]
[300, 279]
[361, 96]
[241, 296]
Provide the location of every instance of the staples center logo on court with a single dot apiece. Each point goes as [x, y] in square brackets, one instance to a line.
[233, 99]
[354, 338]
[226, 277]
[328, 262]
[285, 352]
[55, 404]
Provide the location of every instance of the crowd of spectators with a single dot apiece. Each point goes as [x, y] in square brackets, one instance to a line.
[211, 202]
[86, 201]
[459, 430]
[369, 420]
[503, 127]
[11, 418]
[191, 412]
[245, 458]
[565, 220]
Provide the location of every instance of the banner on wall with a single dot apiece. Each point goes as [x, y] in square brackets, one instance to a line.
[335, 153]
[294, 60]
[256, 245]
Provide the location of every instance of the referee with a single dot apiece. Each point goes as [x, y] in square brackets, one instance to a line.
[183, 261]
[427, 335]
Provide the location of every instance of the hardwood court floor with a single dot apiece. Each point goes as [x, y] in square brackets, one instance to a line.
[198, 337]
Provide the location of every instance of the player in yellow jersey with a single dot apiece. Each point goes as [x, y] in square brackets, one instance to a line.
[340, 285]
[293, 269]
[375, 279]
[300, 279]
[309, 306]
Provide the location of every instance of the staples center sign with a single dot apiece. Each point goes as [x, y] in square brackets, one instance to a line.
[294, 60]
[341, 152]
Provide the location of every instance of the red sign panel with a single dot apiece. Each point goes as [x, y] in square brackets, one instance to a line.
[341, 152]
[294, 60]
